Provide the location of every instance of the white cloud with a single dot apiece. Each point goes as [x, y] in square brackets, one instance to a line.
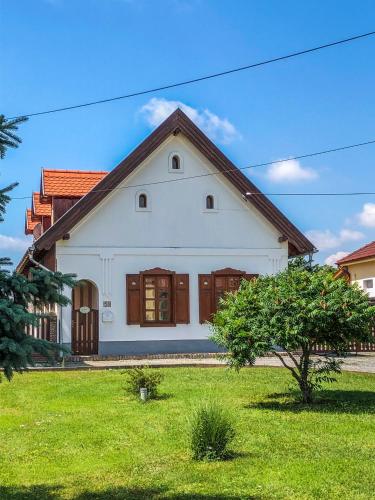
[290, 171]
[350, 235]
[325, 240]
[220, 129]
[367, 216]
[332, 259]
[11, 243]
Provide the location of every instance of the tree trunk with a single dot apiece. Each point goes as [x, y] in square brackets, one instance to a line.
[306, 389]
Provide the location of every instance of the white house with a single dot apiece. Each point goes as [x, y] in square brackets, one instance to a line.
[155, 243]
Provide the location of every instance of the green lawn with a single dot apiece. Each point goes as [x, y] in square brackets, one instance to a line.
[76, 435]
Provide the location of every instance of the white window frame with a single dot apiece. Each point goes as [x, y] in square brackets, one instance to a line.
[172, 170]
[148, 197]
[214, 210]
[365, 284]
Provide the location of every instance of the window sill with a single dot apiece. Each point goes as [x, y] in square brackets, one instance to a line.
[150, 324]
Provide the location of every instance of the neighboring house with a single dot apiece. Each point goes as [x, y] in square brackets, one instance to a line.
[155, 243]
[359, 267]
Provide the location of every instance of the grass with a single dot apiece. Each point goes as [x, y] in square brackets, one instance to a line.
[75, 435]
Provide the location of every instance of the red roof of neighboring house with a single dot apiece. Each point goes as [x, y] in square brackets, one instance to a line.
[69, 183]
[40, 208]
[362, 253]
[30, 221]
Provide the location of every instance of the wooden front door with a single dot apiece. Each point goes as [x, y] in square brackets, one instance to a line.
[85, 319]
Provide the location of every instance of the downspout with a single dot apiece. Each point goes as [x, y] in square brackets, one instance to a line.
[38, 264]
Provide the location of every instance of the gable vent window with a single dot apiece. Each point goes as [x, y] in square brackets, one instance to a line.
[210, 202]
[175, 163]
[142, 201]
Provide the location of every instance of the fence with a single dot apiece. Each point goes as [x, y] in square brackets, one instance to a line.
[352, 346]
[46, 329]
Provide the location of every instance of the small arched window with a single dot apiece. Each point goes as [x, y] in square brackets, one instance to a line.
[142, 201]
[176, 162]
[210, 202]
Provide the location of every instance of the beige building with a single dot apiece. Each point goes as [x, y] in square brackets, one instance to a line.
[359, 266]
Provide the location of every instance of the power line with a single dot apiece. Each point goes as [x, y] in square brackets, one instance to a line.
[299, 157]
[200, 79]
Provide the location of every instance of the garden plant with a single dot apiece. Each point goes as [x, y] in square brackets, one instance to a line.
[293, 311]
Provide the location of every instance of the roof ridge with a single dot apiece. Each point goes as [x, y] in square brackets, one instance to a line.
[74, 171]
[177, 122]
[352, 255]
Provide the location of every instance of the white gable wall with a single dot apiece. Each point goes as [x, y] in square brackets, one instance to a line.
[177, 234]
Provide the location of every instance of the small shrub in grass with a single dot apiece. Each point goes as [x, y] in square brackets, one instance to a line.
[140, 377]
[211, 433]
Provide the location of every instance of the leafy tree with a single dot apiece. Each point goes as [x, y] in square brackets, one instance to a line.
[18, 292]
[292, 311]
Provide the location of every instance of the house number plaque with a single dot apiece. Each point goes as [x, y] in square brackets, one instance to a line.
[84, 310]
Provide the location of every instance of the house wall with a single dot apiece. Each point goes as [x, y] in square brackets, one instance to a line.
[361, 271]
[178, 234]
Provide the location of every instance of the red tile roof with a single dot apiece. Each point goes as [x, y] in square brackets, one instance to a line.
[40, 208]
[365, 252]
[69, 183]
[30, 222]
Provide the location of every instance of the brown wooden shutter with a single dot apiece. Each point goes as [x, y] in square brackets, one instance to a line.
[182, 298]
[205, 297]
[133, 299]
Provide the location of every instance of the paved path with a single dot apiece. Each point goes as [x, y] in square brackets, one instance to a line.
[364, 362]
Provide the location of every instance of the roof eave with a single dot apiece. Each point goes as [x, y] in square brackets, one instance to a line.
[176, 123]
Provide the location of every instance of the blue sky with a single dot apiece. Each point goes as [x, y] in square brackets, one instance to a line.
[63, 52]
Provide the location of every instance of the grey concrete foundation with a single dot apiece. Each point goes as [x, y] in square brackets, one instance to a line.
[157, 347]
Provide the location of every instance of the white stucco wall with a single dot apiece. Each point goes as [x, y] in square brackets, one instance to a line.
[177, 234]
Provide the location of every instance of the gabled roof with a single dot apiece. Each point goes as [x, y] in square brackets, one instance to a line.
[177, 123]
[69, 183]
[30, 221]
[365, 252]
[39, 208]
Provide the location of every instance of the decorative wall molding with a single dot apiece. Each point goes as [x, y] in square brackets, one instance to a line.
[106, 275]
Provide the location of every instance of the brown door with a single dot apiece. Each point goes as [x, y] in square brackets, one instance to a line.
[85, 319]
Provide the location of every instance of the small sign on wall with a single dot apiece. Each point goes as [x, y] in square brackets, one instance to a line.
[107, 303]
[107, 316]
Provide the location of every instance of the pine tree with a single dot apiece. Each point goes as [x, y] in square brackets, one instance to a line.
[17, 292]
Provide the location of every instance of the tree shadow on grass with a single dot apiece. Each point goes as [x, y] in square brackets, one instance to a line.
[163, 396]
[339, 401]
[34, 492]
[46, 492]
[154, 494]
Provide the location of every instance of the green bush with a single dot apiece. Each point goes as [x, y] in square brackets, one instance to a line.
[140, 377]
[211, 433]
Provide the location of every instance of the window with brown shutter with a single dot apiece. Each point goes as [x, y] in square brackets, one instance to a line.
[214, 286]
[205, 297]
[182, 298]
[133, 299]
[157, 297]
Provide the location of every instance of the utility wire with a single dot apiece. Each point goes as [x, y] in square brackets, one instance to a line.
[200, 79]
[299, 157]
